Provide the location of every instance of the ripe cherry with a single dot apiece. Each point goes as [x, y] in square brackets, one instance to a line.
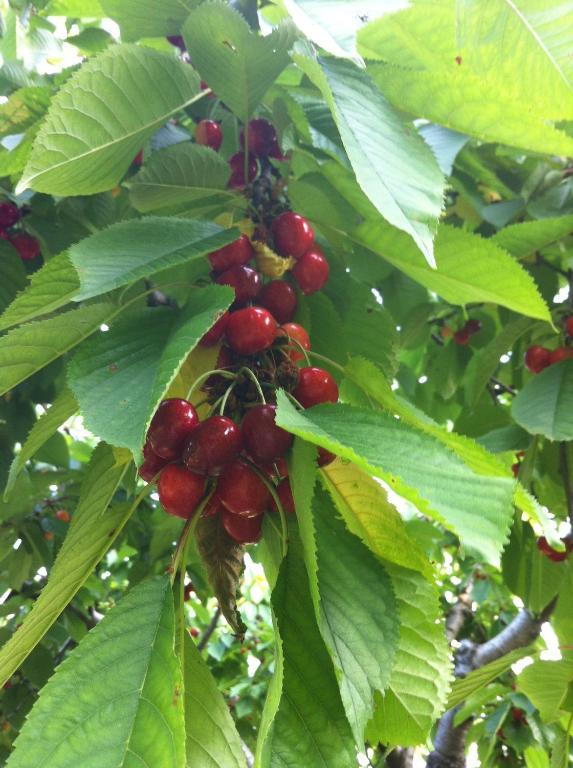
[569, 326]
[238, 252]
[251, 330]
[243, 530]
[138, 159]
[518, 716]
[515, 468]
[212, 446]
[559, 354]
[177, 41]
[537, 358]
[292, 234]
[63, 515]
[246, 281]
[209, 134]
[473, 326]
[275, 469]
[152, 464]
[171, 426]
[315, 386]
[9, 215]
[298, 338]
[241, 491]
[215, 333]
[544, 547]
[263, 440]
[324, 457]
[462, 336]
[262, 137]
[237, 163]
[26, 245]
[284, 492]
[311, 271]
[180, 491]
[279, 297]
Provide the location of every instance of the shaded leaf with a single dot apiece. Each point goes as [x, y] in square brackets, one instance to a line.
[155, 18]
[545, 404]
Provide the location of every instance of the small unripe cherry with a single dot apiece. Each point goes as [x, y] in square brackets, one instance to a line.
[237, 163]
[264, 441]
[279, 297]
[246, 282]
[262, 137]
[171, 426]
[292, 234]
[242, 492]
[537, 358]
[26, 245]
[298, 338]
[243, 530]
[209, 134]
[215, 333]
[212, 446]
[315, 386]
[251, 330]
[240, 251]
[180, 491]
[311, 270]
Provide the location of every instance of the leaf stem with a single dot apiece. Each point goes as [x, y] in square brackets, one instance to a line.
[327, 360]
[277, 501]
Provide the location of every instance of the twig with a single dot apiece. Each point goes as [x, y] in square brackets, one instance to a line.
[210, 629]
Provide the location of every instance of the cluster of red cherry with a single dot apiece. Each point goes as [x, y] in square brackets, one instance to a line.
[239, 463]
[537, 358]
[26, 245]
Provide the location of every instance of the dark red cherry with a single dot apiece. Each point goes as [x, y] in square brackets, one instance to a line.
[242, 492]
[324, 457]
[263, 440]
[224, 362]
[209, 134]
[251, 330]
[177, 41]
[544, 547]
[292, 234]
[262, 137]
[213, 506]
[537, 358]
[299, 338]
[243, 530]
[462, 337]
[515, 468]
[26, 245]
[9, 215]
[279, 297]
[473, 326]
[238, 252]
[284, 492]
[315, 386]
[180, 491]
[559, 354]
[215, 333]
[237, 163]
[152, 464]
[171, 426]
[246, 281]
[138, 159]
[569, 326]
[212, 446]
[311, 270]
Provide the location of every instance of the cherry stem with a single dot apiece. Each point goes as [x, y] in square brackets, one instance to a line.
[277, 501]
[327, 360]
[294, 400]
[299, 345]
[205, 376]
[255, 381]
[225, 398]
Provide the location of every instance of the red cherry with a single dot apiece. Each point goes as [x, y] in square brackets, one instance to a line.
[180, 490]
[177, 41]
[275, 470]
[515, 468]
[152, 464]
[292, 234]
[537, 358]
[215, 333]
[26, 245]
[324, 457]
[138, 159]
[299, 338]
[194, 632]
[279, 297]
[518, 715]
[237, 163]
[544, 547]
[63, 515]
[462, 336]
[262, 137]
[209, 134]
[311, 271]
[213, 506]
[246, 281]
[9, 215]
[204, 87]
[224, 362]
[4, 235]
[284, 492]
[315, 386]
[170, 427]
[188, 591]
[559, 354]
[243, 530]
[569, 326]
[238, 252]
[242, 492]
[263, 440]
[473, 326]
[251, 330]
[212, 446]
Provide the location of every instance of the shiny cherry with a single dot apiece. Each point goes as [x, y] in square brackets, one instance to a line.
[537, 358]
[279, 297]
[209, 134]
[251, 330]
[292, 234]
[180, 491]
[324, 457]
[284, 492]
[242, 492]
[559, 354]
[243, 530]
[171, 426]
[263, 440]
[569, 326]
[152, 464]
[212, 446]
[9, 215]
[26, 245]
[298, 338]
[215, 332]
[237, 163]
[315, 386]
[238, 252]
[247, 283]
[311, 270]
[262, 137]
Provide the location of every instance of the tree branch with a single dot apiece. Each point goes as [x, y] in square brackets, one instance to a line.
[210, 629]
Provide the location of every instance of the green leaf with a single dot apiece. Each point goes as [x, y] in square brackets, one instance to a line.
[536, 757]
[50, 288]
[12, 274]
[211, 737]
[420, 679]
[527, 237]
[545, 404]
[236, 63]
[123, 680]
[102, 116]
[120, 377]
[393, 165]
[130, 250]
[90, 534]
[155, 18]
[546, 683]
[44, 428]
[416, 465]
[23, 108]
[29, 348]
[180, 175]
